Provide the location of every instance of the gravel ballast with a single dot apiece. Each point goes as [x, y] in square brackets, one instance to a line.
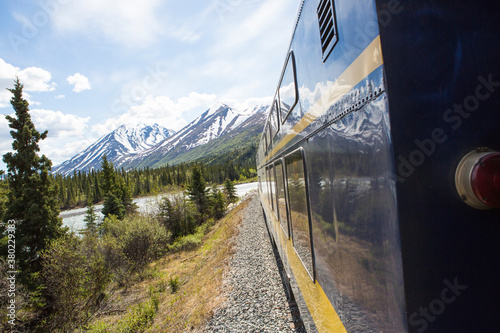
[256, 300]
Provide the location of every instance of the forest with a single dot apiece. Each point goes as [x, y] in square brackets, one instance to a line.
[75, 189]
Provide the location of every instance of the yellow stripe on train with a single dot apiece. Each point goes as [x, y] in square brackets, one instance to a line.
[324, 315]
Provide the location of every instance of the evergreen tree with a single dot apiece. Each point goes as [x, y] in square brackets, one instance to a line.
[230, 191]
[126, 196]
[113, 206]
[217, 203]
[117, 196]
[108, 176]
[3, 194]
[91, 219]
[197, 191]
[32, 199]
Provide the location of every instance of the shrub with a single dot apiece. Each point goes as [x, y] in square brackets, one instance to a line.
[66, 276]
[137, 319]
[115, 260]
[185, 243]
[178, 215]
[140, 238]
[174, 284]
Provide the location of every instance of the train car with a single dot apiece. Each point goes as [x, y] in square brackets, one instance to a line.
[379, 165]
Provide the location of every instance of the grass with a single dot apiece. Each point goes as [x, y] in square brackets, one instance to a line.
[180, 291]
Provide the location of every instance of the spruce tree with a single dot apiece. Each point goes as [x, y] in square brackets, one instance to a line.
[91, 219]
[230, 191]
[3, 194]
[32, 199]
[108, 176]
[117, 196]
[217, 203]
[197, 191]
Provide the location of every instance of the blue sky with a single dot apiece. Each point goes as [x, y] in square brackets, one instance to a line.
[89, 66]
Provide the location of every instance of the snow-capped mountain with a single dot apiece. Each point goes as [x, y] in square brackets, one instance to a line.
[213, 132]
[117, 145]
[218, 122]
[213, 123]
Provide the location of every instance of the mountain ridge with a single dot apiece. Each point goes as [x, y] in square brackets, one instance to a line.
[220, 128]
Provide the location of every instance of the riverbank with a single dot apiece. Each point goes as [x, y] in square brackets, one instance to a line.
[74, 218]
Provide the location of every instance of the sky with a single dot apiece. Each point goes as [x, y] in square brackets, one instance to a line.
[89, 66]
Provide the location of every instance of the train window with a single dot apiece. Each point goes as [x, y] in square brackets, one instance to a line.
[269, 192]
[280, 196]
[272, 187]
[264, 142]
[327, 27]
[273, 120]
[268, 137]
[299, 210]
[288, 94]
[269, 134]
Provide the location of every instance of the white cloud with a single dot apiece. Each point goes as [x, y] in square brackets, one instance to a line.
[34, 79]
[67, 134]
[250, 102]
[128, 22]
[5, 138]
[79, 81]
[7, 70]
[249, 48]
[59, 124]
[61, 151]
[161, 110]
[186, 33]
[60, 96]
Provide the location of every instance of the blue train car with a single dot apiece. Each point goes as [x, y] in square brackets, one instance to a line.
[379, 170]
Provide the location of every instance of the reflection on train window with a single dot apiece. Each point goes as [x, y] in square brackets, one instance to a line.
[299, 216]
[280, 194]
[273, 190]
[269, 194]
[268, 136]
[273, 120]
[264, 143]
[288, 89]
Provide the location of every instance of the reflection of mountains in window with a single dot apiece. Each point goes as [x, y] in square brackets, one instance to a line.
[297, 195]
[285, 109]
[287, 91]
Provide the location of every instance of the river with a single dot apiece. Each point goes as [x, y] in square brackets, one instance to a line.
[74, 218]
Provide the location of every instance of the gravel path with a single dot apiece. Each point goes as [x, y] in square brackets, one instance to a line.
[255, 297]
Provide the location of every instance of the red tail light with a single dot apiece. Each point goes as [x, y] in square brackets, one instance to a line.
[478, 179]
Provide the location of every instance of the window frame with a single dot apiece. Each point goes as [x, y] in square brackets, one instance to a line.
[274, 120]
[291, 56]
[281, 162]
[312, 274]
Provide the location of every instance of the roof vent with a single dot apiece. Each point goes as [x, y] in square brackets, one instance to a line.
[327, 27]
